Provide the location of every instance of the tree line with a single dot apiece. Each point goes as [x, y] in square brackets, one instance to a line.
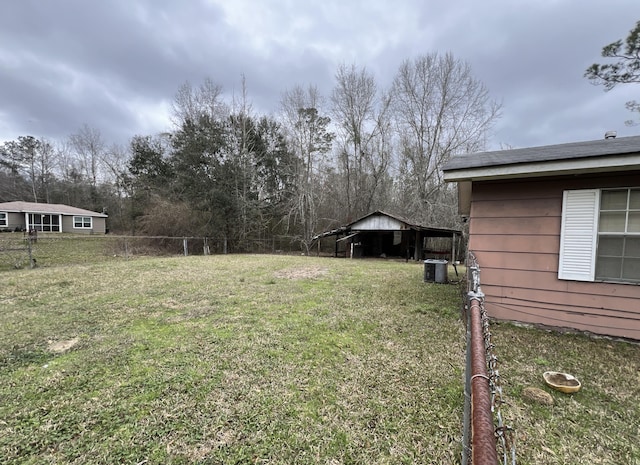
[225, 172]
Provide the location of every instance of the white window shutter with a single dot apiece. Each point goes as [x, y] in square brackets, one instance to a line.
[578, 236]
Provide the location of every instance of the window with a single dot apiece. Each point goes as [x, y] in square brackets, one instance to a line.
[44, 222]
[600, 235]
[82, 222]
[4, 220]
[618, 255]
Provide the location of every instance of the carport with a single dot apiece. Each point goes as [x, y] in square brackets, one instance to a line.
[381, 234]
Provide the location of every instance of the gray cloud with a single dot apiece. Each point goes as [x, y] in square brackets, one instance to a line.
[116, 65]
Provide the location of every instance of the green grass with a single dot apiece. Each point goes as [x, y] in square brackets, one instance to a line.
[598, 424]
[278, 360]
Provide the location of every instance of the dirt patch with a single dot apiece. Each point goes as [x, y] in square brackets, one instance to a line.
[62, 346]
[307, 272]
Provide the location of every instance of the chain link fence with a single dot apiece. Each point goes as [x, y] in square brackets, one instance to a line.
[486, 438]
[22, 250]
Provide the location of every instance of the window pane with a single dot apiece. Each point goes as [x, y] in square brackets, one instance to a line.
[614, 200]
[612, 221]
[610, 246]
[631, 269]
[632, 247]
[55, 219]
[634, 199]
[608, 268]
[634, 222]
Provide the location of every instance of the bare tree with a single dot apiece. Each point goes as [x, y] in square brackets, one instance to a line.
[115, 163]
[73, 184]
[32, 159]
[353, 106]
[440, 110]
[46, 162]
[310, 140]
[190, 103]
[243, 158]
[89, 148]
[379, 157]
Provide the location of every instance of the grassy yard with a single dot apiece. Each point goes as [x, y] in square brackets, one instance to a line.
[279, 360]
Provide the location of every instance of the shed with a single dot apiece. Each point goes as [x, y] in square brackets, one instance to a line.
[381, 234]
[556, 232]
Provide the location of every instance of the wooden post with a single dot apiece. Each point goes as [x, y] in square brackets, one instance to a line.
[184, 246]
[31, 261]
[453, 247]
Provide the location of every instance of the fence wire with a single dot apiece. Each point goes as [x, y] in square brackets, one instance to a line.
[22, 250]
[504, 434]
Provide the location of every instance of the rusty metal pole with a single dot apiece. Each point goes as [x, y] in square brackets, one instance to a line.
[483, 441]
[466, 415]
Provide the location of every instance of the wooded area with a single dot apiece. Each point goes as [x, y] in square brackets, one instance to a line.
[225, 172]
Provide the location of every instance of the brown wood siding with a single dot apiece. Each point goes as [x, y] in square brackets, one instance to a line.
[514, 232]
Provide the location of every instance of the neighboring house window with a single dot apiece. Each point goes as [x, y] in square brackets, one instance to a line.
[4, 220]
[82, 222]
[600, 236]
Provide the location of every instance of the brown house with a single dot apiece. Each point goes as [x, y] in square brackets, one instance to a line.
[49, 217]
[556, 232]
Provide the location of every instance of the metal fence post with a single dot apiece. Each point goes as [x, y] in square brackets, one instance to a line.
[466, 426]
[483, 441]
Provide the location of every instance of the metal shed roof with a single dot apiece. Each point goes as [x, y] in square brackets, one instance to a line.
[407, 224]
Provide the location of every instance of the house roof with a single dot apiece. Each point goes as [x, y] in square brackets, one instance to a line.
[49, 208]
[604, 155]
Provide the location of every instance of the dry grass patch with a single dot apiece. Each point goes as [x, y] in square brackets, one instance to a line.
[305, 272]
[59, 347]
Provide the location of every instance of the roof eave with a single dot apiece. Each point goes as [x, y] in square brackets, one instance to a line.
[608, 164]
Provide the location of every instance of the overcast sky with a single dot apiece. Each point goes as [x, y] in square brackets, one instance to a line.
[116, 65]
